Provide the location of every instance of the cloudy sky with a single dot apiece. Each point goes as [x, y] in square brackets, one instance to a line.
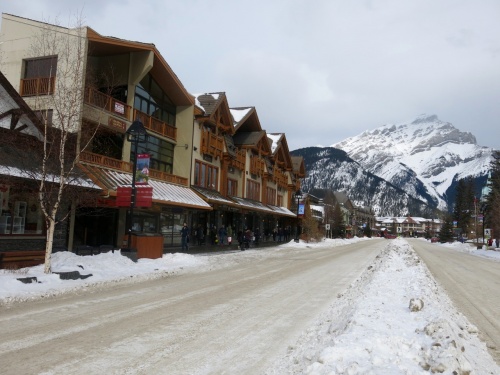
[323, 70]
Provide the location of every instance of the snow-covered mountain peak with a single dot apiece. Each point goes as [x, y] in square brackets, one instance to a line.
[425, 151]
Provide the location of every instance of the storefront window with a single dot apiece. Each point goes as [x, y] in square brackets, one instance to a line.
[20, 213]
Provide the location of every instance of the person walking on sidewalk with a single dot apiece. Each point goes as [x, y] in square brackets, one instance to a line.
[184, 237]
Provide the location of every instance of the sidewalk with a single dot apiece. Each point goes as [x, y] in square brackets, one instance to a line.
[210, 249]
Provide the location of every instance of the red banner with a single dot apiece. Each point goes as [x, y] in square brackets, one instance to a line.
[143, 198]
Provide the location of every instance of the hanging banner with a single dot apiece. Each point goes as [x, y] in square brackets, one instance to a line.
[142, 172]
[300, 211]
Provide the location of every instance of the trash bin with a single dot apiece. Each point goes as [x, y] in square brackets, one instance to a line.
[148, 245]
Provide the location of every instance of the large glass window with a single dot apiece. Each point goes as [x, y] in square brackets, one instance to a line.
[161, 153]
[150, 99]
[20, 212]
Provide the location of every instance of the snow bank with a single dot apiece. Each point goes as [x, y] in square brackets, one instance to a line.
[371, 328]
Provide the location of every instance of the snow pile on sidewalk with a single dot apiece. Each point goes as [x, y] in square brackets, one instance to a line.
[371, 329]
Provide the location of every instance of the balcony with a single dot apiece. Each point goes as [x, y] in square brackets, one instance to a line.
[211, 144]
[107, 102]
[123, 166]
[240, 160]
[280, 178]
[156, 126]
[257, 165]
[37, 86]
[111, 105]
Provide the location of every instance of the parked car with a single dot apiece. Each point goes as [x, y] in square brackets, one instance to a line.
[434, 239]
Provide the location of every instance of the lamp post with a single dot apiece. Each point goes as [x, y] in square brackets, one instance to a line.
[298, 195]
[136, 133]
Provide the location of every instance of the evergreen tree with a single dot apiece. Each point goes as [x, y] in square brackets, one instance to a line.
[492, 204]
[338, 223]
[464, 210]
[446, 232]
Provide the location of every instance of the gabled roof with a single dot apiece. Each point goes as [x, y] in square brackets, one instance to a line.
[100, 45]
[298, 166]
[215, 110]
[245, 119]
[254, 140]
[15, 114]
[280, 149]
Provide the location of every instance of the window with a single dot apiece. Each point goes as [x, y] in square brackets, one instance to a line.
[150, 99]
[39, 76]
[40, 67]
[20, 212]
[232, 187]
[280, 201]
[45, 116]
[271, 196]
[161, 153]
[253, 190]
[205, 175]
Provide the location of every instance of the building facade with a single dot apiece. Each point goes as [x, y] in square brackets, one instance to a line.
[208, 165]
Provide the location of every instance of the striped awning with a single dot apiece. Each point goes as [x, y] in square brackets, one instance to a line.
[163, 192]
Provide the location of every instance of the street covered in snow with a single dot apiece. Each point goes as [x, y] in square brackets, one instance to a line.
[360, 306]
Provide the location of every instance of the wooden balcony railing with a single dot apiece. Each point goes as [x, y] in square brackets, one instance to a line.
[168, 177]
[37, 86]
[211, 144]
[155, 125]
[257, 165]
[107, 102]
[240, 160]
[105, 161]
[123, 166]
[110, 104]
[280, 178]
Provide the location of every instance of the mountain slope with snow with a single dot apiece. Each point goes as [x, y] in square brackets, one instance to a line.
[424, 157]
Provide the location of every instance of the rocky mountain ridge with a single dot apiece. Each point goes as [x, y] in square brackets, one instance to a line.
[420, 162]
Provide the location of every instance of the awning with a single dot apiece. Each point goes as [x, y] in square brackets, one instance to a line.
[163, 192]
[282, 211]
[250, 204]
[214, 196]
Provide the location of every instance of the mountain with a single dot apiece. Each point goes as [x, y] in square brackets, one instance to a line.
[422, 160]
[425, 157]
[331, 168]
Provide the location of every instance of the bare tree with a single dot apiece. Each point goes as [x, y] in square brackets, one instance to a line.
[58, 100]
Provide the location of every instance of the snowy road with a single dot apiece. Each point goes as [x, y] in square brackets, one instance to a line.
[231, 320]
[472, 283]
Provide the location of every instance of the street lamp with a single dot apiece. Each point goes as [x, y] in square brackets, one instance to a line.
[136, 133]
[298, 195]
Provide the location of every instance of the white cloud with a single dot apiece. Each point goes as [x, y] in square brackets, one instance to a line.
[336, 67]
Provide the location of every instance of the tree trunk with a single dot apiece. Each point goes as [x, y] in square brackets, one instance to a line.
[48, 246]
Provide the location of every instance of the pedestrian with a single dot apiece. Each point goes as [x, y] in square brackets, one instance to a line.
[200, 236]
[274, 234]
[256, 235]
[184, 237]
[229, 235]
[248, 238]
[497, 242]
[222, 235]
[241, 240]
[213, 235]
